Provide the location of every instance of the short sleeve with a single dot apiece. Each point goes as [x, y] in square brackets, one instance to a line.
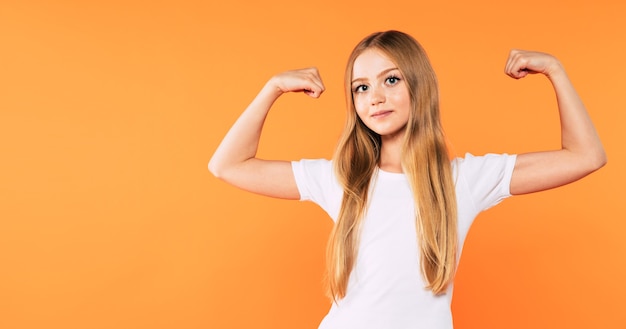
[316, 182]
[487, 178]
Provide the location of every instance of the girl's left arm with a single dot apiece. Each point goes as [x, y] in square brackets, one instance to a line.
[581, 150]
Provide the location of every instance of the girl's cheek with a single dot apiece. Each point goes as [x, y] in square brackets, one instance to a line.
[357, 108]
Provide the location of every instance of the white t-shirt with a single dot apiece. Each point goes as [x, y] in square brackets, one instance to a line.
[386, 288]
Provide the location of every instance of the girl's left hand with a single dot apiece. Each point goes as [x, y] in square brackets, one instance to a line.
[521, 63]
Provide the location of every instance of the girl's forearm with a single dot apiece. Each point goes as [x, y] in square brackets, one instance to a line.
[242, 140]
[578, 134]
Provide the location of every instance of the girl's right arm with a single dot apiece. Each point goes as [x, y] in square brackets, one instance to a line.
[235, 159]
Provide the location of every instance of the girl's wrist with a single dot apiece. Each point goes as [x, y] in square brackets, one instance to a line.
[271, 89]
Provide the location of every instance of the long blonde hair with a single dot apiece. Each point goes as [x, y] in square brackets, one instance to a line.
[425, 162]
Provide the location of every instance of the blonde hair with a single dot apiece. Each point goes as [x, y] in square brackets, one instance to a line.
[425, 162]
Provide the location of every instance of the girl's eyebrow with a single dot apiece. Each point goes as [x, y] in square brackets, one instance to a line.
[377, 76]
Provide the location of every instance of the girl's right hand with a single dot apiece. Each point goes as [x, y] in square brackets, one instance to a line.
[306, 80]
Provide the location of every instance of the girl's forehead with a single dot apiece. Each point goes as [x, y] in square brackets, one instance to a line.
[371, 62]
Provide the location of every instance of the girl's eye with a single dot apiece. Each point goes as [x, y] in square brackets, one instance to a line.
[360, 88]
[392, 80]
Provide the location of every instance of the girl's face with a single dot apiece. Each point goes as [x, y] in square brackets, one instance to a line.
[380, 94]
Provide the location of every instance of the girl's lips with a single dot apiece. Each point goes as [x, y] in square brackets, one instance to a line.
[381, 114]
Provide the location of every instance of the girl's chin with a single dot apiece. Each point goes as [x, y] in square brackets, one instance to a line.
[389, 133]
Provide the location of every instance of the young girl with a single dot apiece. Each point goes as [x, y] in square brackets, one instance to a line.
[401, 207]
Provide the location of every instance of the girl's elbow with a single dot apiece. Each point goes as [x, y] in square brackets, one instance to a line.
[214, 168]
[596, 160]
[600, 160]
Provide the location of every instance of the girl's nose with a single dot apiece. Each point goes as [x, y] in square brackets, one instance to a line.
[377, 96]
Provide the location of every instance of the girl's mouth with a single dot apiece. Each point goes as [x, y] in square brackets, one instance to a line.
[381, 114]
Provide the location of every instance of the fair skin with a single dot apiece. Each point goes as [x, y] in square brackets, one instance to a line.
[381, 105]
[382, 102]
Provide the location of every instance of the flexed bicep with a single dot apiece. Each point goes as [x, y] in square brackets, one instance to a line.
[266, 177]
[581, 149]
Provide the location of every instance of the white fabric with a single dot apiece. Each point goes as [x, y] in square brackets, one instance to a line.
[386, 288]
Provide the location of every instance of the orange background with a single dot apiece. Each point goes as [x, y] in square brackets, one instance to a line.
[110, 111]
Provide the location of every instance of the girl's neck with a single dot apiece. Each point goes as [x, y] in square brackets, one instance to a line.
[391, 155]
